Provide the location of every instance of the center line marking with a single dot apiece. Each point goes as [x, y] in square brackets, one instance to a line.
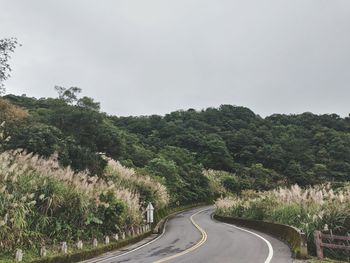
[201, 242]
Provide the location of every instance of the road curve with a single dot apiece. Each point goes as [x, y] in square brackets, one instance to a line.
[194, 236]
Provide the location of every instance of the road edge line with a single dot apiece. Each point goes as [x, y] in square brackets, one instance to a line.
[270, 255]
[135, 249]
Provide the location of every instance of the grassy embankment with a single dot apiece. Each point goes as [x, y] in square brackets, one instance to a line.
[43, 204]
[310, 209]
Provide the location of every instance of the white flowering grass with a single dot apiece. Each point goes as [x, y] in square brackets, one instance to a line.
[41, 202]
[128, 177]
[308, 209]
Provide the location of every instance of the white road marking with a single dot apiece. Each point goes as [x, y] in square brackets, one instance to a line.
[133, 250]
[197, 245]
[269, 257]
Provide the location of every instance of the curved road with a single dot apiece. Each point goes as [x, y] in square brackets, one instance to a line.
[193, 236]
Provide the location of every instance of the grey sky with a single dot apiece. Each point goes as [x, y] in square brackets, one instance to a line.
[144, 57]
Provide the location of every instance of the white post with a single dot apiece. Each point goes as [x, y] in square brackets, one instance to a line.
[123, 235]
[80, 244]
[116, 237]
[64, 248]
[150, 210]
[107, 240]
[43, 252]
[94, 242]
[19, 255]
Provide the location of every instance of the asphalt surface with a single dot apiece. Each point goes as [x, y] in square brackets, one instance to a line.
[193, 236]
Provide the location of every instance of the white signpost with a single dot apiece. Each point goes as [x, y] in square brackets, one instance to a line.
[150, 210]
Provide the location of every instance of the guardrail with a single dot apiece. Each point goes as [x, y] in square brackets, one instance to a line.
[319, 236]
[295, 238]
[77, 256]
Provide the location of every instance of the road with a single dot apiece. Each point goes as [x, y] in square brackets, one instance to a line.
[194, 236]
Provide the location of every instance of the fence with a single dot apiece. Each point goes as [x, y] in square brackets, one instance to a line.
[319, 236]
[64, 247]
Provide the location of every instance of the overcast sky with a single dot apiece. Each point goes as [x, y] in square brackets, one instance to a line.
[145, 57]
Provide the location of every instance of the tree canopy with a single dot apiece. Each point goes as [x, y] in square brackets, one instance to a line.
[7, 46]
[258, 153]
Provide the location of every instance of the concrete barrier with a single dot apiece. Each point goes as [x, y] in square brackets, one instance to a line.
[294, 237]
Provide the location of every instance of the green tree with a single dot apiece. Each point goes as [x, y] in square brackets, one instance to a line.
[168, 170]
[70, 95]
[297, 175]
[196, 184]
[41, 139]
[215, 154]
[231, 184]
[7, 46]
[88, 103]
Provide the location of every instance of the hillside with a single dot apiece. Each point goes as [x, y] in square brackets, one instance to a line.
[110, 167]
[257, 153]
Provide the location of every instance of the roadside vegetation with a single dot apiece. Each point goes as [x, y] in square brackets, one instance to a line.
[43, 203]
[314, 208]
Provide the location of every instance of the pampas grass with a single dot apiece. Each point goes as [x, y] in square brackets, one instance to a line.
[310, 209]
[129, 178]
[42, 202]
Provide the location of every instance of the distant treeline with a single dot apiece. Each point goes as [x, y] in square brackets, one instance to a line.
[258, 153]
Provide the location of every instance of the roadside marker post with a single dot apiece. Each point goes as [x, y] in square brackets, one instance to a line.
[19, 255]
[150, 210]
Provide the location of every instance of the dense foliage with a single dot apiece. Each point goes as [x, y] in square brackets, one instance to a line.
[261, 153]
[41, 202]
[257, 153]
[80, 134]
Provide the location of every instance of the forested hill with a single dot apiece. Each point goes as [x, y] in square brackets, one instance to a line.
[303, 149]
[258, 153]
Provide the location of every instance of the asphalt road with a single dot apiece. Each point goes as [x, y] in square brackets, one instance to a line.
[193, 236]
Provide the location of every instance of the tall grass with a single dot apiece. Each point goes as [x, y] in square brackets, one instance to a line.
[41, 202]
[314, 208]
[152, 190]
